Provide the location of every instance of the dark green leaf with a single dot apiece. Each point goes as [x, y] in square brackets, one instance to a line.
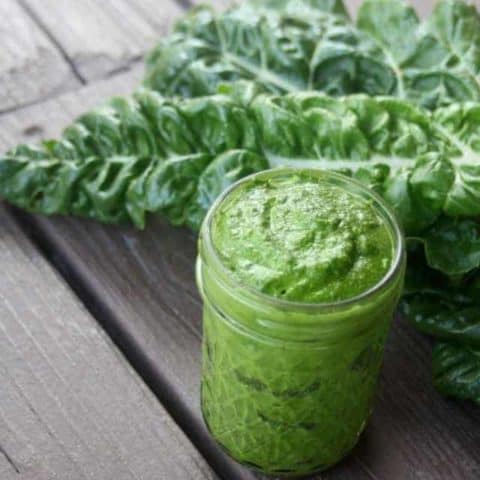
[456, 371]
[284, 46]
[295, 45]
[453, 246]
[444, 318]
[222, 172]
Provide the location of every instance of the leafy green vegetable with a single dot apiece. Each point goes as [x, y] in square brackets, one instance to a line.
[453, 246]
[435, 63]
[447, 308]
[151, 154]
[444, 318]
[456, 371]
[272, 43]
[298, 45]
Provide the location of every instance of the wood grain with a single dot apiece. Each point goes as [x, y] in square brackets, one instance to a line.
[49, 122]
[70, 405]
[31, 67]
[101, 37]
[141, 286]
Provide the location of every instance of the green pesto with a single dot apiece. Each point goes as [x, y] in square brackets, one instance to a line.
[302, 239]
[288, 386]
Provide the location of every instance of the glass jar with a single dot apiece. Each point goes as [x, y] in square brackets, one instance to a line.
[287, 387]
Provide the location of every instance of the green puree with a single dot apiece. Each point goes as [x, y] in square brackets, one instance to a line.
[287, 387]
[301, 239]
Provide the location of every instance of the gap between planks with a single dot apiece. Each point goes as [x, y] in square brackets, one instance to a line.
[87, 41]
[52, 47]
[30, 65]
[41, 25]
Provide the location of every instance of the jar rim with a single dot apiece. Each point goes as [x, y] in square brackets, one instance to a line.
[265, 298]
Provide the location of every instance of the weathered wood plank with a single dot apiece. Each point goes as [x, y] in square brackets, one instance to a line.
[141, 284]
[31, 67]
[49, 122]
[103, 36]
[70, 405]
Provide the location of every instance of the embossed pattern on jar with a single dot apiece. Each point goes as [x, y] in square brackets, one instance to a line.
[287, 387]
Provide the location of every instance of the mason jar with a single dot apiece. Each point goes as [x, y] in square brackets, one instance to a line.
[287, 387]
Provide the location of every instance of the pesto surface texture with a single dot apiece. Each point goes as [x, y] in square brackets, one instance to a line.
[302, 239]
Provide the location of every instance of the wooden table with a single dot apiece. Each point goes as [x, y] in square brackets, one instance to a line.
[100, 327]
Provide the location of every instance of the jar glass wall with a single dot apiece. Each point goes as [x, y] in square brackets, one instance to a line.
[287, 387]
